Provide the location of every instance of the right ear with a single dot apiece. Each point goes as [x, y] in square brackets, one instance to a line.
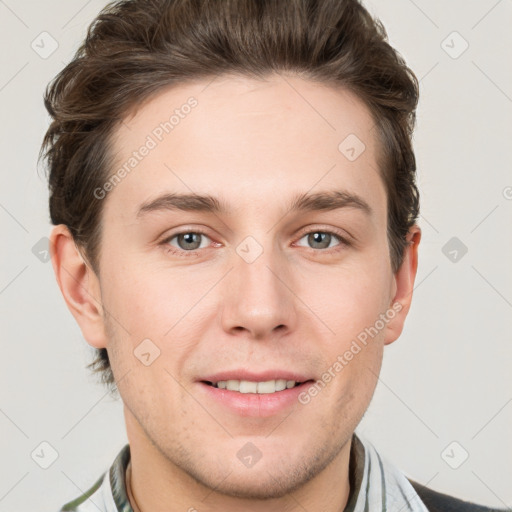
[79, 286]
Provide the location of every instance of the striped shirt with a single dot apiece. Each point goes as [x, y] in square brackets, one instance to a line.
[375, 485]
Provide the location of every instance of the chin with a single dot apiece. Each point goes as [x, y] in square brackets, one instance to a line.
[262, 484]
[268, 478]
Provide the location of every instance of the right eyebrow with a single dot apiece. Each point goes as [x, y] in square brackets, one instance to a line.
[183, 202]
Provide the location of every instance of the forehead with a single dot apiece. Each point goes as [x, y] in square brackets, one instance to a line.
[248, 140]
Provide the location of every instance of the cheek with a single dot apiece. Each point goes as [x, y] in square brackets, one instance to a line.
[153, 312]
[347, 299]
[351, 306]
[143, 301]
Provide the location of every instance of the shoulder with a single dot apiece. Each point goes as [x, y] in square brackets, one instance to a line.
[108, 494]
[439, 502]
[78, 503]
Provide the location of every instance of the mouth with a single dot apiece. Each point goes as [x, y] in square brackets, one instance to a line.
[254, 398]
[257, 393]
[257, 387]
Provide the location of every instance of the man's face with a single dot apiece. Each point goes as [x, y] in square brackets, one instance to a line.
[258, 292]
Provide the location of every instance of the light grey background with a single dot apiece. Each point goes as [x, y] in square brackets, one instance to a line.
[446, 379]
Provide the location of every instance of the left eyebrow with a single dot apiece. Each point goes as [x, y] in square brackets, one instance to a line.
[320, 201]
[330, 200]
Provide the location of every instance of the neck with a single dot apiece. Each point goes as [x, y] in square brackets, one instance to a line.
[156, 484]
[131, 498]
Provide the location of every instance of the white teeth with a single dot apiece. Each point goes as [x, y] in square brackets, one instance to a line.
[268, 386]
[281, 384]
[246, 386]
[233, 385]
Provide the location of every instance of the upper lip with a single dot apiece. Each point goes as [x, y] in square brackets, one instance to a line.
[254, 376]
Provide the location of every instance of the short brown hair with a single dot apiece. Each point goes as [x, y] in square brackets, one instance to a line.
[135, 48]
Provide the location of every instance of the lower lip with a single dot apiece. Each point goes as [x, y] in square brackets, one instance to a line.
[255, 404]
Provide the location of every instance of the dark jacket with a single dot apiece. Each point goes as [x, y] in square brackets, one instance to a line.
[439, 502]
[433, 500]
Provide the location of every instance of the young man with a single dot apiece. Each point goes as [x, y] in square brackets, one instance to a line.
[233, 192]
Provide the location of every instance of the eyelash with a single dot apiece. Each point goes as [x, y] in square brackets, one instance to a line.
[181, 252]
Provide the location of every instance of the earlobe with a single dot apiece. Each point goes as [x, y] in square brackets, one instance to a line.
[403, 285]
[79, 286]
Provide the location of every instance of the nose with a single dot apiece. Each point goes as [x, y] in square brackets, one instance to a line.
[258, 301]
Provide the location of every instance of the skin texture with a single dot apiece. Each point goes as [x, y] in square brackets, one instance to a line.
[254, 144]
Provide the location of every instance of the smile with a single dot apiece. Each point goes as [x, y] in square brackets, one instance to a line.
[256, 398]
[247, 386]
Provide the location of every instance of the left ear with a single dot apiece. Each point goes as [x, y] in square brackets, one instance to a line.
[404, 285]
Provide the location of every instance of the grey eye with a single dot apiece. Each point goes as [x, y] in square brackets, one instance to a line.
[189, 241]
[320, 239]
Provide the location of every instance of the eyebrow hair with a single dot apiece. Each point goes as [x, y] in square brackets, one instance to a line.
[319, 201]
